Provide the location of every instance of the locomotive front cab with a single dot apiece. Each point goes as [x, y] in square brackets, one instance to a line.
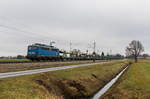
[33, 50]
[42, 52]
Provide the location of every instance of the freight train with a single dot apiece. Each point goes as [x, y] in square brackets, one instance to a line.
[42, 52]
[38, 52]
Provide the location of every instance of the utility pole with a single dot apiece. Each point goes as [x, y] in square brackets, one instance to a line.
[94, 53]
[70, 46]
[94, 46]
[110, 54]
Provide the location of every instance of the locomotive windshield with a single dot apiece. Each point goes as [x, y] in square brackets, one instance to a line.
[32, 47]
[44, 48]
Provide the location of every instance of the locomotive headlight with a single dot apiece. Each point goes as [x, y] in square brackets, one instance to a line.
[31, 53]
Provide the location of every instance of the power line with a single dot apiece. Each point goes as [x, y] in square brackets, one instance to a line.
[16, 29]
[25, 32]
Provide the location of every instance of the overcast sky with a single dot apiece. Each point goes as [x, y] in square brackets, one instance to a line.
[111, 23]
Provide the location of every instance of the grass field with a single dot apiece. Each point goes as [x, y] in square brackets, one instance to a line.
[134, 84]
[12, 60]
[77, 83]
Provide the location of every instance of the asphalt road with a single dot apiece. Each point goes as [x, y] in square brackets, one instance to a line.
[29, 72]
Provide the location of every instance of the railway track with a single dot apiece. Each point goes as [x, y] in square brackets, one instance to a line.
[15, 62]
[7, 62]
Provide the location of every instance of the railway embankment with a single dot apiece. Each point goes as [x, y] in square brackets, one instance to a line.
[77, 83]
[12, 67]
[134, 84]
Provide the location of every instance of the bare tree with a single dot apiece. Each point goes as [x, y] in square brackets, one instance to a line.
[102, 55]
[134, 49]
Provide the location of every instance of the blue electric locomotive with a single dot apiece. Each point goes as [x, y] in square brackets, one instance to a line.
[43, 52]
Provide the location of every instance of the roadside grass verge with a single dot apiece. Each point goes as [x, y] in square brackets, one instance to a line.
[75, 83]
[134, 84]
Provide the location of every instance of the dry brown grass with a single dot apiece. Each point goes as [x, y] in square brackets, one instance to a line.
[76, 83]
[134, 84]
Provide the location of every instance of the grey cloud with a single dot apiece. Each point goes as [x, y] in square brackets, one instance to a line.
[112, 24]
